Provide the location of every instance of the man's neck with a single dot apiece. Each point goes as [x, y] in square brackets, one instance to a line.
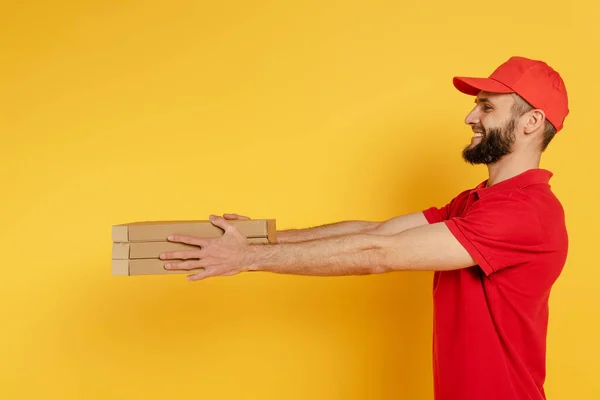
[510, 166]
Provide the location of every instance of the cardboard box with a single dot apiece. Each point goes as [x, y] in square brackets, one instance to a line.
[137, 245]
[157, 231]
[137, 250]
[145, 266]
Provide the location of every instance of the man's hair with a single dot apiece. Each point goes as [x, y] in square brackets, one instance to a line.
[520, 107]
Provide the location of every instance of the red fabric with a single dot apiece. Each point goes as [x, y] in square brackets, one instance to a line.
[490, 321]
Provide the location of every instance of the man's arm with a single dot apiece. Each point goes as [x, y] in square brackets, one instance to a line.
[325, 231]
[399, 224]
[427, 247]
[388, 227]
[424, 247]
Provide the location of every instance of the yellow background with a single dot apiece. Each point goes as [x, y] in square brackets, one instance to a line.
[308, 112]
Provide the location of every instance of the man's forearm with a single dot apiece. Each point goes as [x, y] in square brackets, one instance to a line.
[356, 254]
[325, 231]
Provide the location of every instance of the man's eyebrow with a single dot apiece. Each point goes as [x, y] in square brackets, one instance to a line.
[482, 100]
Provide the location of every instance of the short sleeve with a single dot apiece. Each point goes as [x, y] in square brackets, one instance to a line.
[499, 232]
[440, 214]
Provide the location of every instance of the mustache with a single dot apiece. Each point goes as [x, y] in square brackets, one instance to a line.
[478, 128]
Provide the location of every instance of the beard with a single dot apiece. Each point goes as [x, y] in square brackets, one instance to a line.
[495, 144]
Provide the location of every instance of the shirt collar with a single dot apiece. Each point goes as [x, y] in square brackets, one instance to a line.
[530, 177]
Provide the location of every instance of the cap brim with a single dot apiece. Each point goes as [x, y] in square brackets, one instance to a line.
[473, 86]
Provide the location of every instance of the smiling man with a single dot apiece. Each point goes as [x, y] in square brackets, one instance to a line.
[496, 249]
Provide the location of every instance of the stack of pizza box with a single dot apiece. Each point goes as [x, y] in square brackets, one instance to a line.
[137, 245]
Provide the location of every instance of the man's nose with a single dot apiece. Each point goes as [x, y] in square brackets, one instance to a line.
[472, 118]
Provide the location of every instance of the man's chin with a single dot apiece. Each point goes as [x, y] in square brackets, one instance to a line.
[478, 160]
[472, 161]
[471, 158]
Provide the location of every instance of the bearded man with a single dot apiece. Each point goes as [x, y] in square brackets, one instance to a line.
[496, 249]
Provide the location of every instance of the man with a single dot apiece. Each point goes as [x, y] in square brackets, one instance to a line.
[496, 249]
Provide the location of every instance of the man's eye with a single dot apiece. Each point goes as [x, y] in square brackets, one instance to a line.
[487, 108]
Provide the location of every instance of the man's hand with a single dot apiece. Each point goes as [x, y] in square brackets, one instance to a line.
[222, 256]
[234, 216]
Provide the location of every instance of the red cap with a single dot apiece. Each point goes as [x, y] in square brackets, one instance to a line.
[533, 80]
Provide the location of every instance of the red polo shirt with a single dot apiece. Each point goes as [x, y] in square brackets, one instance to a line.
[490, 320]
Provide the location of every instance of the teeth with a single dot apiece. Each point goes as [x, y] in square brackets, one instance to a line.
[478, 134]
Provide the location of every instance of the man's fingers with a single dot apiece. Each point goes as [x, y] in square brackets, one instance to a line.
[226, 226]
[234, 216]
[220, 222]
[209, 272]
[184, 265]
[199, 276]
[188, 240]
[182, 255]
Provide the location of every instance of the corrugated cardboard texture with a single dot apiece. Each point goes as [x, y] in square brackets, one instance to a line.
[146, 266]
[136, 250]
[151, 231]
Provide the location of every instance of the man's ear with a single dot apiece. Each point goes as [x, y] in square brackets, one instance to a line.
[535, 120]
